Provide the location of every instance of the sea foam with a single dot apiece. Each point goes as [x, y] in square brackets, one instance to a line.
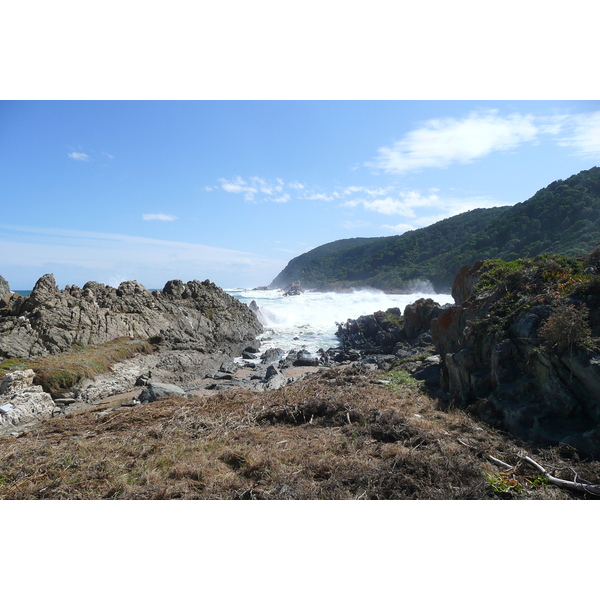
[309, 321]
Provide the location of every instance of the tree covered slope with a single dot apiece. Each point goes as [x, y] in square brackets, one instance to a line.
[563, 217]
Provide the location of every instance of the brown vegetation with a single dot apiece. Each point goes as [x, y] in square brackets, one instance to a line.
[338, 434]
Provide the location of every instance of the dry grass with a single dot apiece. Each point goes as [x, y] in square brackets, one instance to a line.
[58, 373]
[335, 435]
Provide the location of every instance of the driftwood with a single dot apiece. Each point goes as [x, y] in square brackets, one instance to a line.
[578, 486]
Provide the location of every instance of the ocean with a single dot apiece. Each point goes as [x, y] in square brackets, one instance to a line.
[308, 321]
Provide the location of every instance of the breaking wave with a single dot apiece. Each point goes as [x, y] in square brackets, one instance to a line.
[309, 321]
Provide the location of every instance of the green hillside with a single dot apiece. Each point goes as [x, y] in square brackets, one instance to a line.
[564, 217]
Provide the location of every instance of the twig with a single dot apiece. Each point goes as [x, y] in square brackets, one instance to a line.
[500, 463]
[465, 444]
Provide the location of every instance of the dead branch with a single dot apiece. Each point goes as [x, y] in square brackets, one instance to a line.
[500, 463]
[563, 483]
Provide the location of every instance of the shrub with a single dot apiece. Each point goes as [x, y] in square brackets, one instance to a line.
[567, 328]
[592, 260]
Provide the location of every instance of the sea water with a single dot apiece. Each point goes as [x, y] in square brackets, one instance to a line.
[309, 321]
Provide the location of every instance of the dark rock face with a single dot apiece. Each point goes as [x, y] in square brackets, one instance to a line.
[192, 316]
[495, 363]
[388, 332]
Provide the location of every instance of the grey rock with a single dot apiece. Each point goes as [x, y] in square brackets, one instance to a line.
[156, 390]
[304, 360]
[4, 286]
[271, 355]
[22, 401]
[256, 310]
[194, 316]
[294, 289]
[271, 372]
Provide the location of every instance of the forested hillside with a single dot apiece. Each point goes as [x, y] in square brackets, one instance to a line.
[563, 217]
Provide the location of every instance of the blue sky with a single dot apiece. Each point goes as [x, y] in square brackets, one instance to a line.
[232, 190]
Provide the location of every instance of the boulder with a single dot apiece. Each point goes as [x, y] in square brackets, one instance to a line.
[271, 355]
[156, 390]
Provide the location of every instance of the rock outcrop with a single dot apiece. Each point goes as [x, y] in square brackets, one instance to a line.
[21, 401]
[294, 289]
[390, 332]
[497, 363]
[183, 316]
[4, 287]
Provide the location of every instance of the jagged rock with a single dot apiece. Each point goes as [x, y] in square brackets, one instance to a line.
[388, 332]
[4, 287]
[294, 289]
[465, 281]
[494, 364]
[253, 306]
[22, 401]
[271, 355]
[418, 317]
[194, 316]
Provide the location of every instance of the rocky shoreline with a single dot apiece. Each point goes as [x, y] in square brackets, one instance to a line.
[486, 354]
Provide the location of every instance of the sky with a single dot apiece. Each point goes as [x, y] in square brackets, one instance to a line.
[231, 190]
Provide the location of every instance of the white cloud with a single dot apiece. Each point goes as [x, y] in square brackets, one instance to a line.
[584, 135]
[158, 217]
[389, 206]
[354, 189]
[402, 204]
[318, 196]
[255, 186]
[441, 142]
[79, 156]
